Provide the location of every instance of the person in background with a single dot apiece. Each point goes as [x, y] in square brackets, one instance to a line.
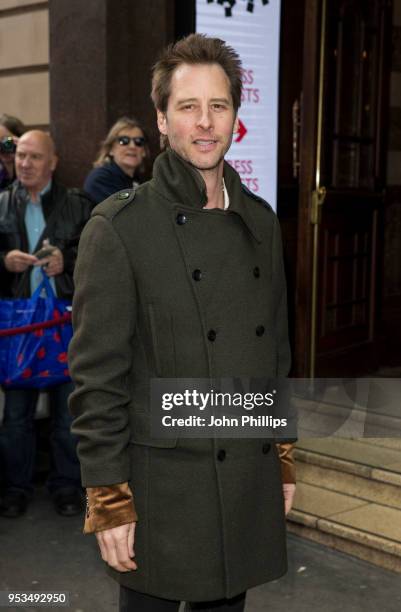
[121, 162]
[35, 209]
[11, 129]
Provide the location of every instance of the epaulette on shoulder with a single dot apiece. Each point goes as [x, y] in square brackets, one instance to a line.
[114, 204]
[255, 197]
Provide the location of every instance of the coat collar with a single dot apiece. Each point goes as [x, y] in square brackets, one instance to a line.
[176, 180]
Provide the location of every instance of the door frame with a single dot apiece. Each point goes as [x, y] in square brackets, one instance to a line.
[307, 183]
[307, 288]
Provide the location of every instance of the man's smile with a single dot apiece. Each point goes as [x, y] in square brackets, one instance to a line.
[205, 144]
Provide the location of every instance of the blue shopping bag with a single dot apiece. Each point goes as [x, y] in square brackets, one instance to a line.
[34, 336]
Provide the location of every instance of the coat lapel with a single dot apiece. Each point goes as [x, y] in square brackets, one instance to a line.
[176, 180]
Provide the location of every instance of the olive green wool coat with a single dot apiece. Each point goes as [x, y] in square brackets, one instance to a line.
[210, 525]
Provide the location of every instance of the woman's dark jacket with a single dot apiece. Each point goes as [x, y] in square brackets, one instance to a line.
[65, 211]
[5, 180]
[105, 180]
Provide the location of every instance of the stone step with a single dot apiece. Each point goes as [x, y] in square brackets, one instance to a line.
[362, 488]
[368, 530]
[373, 462]
[391, 443]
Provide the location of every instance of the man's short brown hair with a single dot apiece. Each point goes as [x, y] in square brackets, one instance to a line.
[195, 49]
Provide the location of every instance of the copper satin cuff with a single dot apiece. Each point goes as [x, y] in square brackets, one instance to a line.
[285, 453]
[108, 507]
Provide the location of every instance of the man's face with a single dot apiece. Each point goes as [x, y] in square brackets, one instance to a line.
[200, 119]
[34, 161]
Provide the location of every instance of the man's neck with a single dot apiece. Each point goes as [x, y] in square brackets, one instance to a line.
[214, 186]
[35, 194]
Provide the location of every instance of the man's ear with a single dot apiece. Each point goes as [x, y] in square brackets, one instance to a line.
[54, 163]
[236, 125]
[162, 122]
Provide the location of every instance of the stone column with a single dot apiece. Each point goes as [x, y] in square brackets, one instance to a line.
[101, 53]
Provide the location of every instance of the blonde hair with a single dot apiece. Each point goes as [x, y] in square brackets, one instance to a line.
[122, 123]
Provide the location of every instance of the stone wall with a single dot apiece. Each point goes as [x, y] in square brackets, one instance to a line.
[24, 61]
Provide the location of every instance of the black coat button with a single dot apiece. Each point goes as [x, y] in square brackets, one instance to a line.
[211, 335]
[256, 272]
[266, 448]
[181, 219]
[197, 275]
[260, 330]
[221, 455]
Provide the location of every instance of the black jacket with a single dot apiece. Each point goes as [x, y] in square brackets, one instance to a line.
[65, 211]
[105, 180]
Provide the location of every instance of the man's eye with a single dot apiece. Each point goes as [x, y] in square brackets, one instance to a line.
[218, 107]
[188, 107]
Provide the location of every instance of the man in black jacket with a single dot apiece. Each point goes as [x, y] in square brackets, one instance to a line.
[34, 211]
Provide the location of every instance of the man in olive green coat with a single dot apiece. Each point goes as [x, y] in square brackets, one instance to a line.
[182, 279]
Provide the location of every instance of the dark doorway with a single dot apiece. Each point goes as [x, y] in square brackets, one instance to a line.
[336, 144]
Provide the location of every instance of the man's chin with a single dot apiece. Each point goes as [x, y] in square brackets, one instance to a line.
[206, 164]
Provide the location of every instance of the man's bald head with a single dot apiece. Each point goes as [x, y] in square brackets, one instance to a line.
[40, 138]
[35, 160]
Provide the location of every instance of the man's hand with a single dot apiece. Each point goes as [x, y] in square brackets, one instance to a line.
[117, 547]
[18, 261]
[288, 492]
[53, 264]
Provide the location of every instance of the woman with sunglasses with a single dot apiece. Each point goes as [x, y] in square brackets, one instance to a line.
[121, 162]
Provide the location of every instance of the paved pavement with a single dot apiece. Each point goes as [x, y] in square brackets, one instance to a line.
[45, 552]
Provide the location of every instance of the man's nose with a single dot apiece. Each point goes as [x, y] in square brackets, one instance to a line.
[205, 120]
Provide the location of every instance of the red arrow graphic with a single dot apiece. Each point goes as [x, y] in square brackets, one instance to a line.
[241, 131]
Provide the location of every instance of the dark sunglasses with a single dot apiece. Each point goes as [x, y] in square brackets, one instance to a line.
[138, 141]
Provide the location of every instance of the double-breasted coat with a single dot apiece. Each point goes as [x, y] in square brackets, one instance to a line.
[166, 288]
